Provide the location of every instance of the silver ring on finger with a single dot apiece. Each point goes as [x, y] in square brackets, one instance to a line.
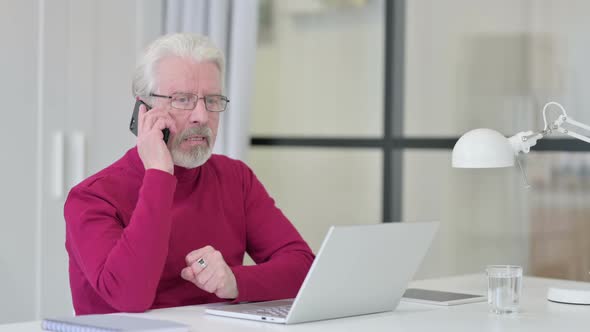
[202, 262]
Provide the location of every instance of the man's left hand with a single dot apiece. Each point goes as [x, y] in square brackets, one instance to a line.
[207, 269]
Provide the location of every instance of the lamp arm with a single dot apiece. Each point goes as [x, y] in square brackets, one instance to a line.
[565, 119]
[546, 107]
[523, 141]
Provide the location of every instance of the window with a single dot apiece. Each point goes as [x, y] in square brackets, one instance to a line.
[318, 111]
[359, 103]
[494, 65]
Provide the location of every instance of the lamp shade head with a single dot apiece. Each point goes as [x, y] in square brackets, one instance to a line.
[483, 148]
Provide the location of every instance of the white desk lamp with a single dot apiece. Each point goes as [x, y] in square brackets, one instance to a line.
[486, 148]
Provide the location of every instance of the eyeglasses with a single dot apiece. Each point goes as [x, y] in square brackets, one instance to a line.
[188, 101]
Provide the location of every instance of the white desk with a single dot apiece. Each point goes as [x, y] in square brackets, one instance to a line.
[537, 314]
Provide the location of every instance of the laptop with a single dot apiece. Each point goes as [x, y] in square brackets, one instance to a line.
[358, 270]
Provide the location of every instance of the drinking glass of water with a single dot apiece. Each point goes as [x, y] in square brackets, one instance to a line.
[504, 288]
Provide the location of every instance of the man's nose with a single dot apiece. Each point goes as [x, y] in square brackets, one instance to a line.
[199, 114]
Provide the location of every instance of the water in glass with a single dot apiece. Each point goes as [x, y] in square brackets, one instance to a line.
[504, 288]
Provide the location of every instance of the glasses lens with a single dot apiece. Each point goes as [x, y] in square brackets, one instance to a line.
[184, 101]
[215, 103]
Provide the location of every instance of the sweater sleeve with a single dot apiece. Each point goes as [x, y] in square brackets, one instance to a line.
[282, 257]
[122, 264]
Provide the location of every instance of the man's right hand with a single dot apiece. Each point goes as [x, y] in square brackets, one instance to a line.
[150, 140]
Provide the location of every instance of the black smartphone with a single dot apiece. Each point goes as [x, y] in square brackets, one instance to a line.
[133, 124]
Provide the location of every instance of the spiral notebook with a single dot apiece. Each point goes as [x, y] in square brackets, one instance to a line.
[110, 323]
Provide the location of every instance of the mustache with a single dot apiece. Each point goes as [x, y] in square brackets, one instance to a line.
[193, 131]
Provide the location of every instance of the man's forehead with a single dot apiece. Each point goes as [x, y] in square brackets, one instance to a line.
[184, 75]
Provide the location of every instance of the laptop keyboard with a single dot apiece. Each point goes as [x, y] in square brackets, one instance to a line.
[278, 311]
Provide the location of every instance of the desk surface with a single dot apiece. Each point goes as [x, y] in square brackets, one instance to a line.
[537, 314]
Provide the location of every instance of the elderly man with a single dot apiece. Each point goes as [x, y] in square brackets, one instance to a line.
[168, 224]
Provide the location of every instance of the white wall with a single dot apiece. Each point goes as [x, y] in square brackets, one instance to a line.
[67, 68]
[18, 175]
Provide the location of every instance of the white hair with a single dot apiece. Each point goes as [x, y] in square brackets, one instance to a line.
[187, 45]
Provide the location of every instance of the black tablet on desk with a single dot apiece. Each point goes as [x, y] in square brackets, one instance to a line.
[428, 296]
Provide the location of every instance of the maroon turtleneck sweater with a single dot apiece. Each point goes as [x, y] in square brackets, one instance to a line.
[128, 231]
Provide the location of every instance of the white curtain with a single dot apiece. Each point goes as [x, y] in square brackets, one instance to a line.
[232, 25]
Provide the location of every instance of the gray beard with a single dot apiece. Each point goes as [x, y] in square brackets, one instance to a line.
[197, 155]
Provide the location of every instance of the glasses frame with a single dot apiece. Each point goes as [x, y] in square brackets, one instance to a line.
[222, 97]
